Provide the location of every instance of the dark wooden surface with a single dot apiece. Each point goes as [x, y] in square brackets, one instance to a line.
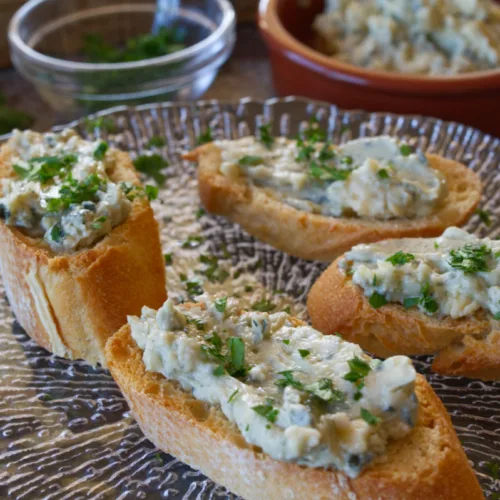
[246, 74]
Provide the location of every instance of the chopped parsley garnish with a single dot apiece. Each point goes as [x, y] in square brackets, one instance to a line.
[183, 277]
[347, 160]
[326, 153]
[205, 137]
[427, 301]
[152, 165]
[213, 272]
[400, 258]
[151, 192]
[57, 233]
[267, 411]
[405, 149]
[383, 173]
[263, 305]
[43, 169]
[436, 245]
[137, 48]
[156, 142]
[497, 316]
[193, 288]
[248, 288]
[97, 224]
[485, 217]
[337, 334]
[219, 371]
[200, 324]
[323, 172]
[193, 242]
[411, 302]
[168, 259]
[200, 213]
[266, 137]
[220, 304]
[369, 417]
[251, 161]
[493, 469]
[359, 394]
[233, 360]
[289, 380]
[470, 258]
[374, 281]
[100, 150]
[304, 353]
[359, 369]
[287, 310]
[323, 389]
[377, 300]
[233, 395]
[102, 123]
[77, 192]
[286, 341]
[314, 133]
[305, 151]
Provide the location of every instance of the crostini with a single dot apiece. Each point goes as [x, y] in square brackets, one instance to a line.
[79, 245]
[271, 408]
[314, 200]
[418, 296]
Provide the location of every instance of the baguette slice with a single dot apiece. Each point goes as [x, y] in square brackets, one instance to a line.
[428, 464]
[71, 303]
[467, 347]
[317, 237]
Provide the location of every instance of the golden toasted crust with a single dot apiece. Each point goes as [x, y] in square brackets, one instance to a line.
[466, 346]
[317, 237]
[428, 463]
[70, 304]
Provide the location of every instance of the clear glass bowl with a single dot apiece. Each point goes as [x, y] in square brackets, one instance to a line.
[47, 37]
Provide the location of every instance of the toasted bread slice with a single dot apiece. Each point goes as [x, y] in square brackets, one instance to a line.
[428, 463]
[317, 237]
[466, 346]
[71, 303]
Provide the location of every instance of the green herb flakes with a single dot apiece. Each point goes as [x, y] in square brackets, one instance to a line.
[267, 411]
[200, 213]
[263, 305]
[369, 417]
[101, 123]
[266, 137]
[205, 137]
[233, 396]
[168, 259]
[193, 242]
[97, 224]
[484, 216]
[100, 150]
[323, 390]
[156, 142]
[383, 173]
[251, 161]
[400, 258]
[470, 258]
[304, 353]
[359, 369]
[286, 341]
[287, 310]
[405, 149]
[288, 380]
[57, 233]
[151, 192]
[152, 165]
[377, 300]
[220, 304]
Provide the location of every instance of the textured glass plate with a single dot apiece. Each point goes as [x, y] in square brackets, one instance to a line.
[65, 430]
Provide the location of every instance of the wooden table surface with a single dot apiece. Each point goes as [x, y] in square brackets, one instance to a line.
[246, 74]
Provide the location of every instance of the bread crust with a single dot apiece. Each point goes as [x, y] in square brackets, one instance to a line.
[467, 347]
[428, 463]
[317, 237]
[71, 303]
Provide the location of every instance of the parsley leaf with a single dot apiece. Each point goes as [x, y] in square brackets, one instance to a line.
[493, 469]
[497, 316]
[304, 353]
[44, 168]
[267, 411]
[237, 357]
[57, 233]
[263, 305]
[194, 288]
[156, 142]
[205, 137]
[193, 242]
[377, 300]
[286, 341]
[359, 369]
[323, 172]
[369, 417]
[220, 304]
[427, 301]
[152, 165]
[470, 258]
[411, 302]
[266, 137]
[289, 380]
[323, 389]
[151, 192]
[251, 161]
[97, 224]
[400, 258]
[168, 259]
[200, 213]
[485, 217]
[233, 395]
[100, 150]
[405, 149]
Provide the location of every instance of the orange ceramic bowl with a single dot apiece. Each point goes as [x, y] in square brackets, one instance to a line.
[298, 69]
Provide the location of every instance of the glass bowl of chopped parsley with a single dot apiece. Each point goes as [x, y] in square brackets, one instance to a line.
[87, 55]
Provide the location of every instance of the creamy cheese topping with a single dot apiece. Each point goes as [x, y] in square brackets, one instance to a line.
[62, 192]
[377, 177]
[299, 395]
[436, 37]
[454, 275]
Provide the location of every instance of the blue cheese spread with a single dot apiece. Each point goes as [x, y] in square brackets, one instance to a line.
[299, 395]
[454, 275]
[61, 192]
[378, 177]
[436, 37]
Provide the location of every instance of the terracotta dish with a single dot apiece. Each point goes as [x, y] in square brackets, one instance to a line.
[298, 69]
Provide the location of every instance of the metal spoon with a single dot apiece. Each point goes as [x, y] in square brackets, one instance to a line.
[166, 12]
